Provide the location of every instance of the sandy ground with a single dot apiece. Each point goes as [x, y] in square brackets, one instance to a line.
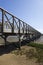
[12, 59]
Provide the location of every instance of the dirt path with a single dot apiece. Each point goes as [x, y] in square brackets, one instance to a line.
[12, 59]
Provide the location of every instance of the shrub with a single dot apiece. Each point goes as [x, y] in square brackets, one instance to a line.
[35, 45]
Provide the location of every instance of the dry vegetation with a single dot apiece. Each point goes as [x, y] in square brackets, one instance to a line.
[35, 51]
[32, 54]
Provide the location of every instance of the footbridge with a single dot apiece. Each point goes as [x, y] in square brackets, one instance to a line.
[10, 25]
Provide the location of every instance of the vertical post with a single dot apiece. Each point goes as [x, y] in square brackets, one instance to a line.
[26, 30]
[19, 37]
[2, 25]
[23, 27]
[5, 41]
[2, 19]
[13, 25]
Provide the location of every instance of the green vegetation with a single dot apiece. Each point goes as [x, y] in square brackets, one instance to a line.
[35, 45]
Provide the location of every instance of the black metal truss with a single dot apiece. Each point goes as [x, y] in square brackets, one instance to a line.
[27, 30]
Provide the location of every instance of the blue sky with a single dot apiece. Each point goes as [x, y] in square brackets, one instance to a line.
[30, 11]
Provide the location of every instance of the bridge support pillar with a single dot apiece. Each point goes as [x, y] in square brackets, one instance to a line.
[19, 43]
[5, 39]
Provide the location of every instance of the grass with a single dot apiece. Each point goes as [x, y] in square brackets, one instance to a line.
[35, 45]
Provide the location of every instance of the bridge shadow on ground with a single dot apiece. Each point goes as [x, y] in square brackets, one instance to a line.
[8, 48]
